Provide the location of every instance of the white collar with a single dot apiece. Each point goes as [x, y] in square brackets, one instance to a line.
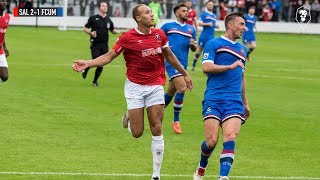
[140, 31]
[181, 24]
[227, 39]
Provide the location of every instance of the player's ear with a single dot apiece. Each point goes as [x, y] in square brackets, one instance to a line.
[138, 18]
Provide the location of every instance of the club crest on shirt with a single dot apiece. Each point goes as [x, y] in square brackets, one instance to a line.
[242, 52]
[157, 36]
[205, 55]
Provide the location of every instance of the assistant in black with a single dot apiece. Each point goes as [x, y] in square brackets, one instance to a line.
[98, 27]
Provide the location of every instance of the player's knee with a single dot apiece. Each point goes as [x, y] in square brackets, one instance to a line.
[211, 142]
[231, 136]
[181, 89]
[156, 128]
[136, 133]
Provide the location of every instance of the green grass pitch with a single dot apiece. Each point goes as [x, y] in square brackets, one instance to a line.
[51, 120]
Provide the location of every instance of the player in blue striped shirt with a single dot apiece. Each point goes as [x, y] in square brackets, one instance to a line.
[249, 38]
[208, 22]
[181, 38]
[225, 103]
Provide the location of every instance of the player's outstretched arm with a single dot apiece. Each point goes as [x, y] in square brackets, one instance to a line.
[172, 59]
[214, 69]
[80, 65]
[244, 97]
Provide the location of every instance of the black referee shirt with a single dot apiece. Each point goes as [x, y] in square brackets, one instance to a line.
[102, 26]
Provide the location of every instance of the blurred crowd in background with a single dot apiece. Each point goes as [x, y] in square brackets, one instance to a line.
[266, 10]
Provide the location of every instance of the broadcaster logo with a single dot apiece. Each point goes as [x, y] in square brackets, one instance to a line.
[303, 16]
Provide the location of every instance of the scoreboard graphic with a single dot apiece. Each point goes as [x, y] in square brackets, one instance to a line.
[41, 12]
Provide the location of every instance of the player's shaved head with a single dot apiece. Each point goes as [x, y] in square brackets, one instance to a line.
[136, 12]
[231, 18]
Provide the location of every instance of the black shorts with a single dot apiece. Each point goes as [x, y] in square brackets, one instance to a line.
[98, 50]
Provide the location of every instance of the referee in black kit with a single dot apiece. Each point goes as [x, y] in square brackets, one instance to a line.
[98, 27]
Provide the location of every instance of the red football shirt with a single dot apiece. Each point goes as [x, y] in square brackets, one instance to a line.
[192, 14]
[4, 23]
[143, 55]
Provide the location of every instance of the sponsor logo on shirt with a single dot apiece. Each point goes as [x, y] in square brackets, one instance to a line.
[157, 37]
[151, 51]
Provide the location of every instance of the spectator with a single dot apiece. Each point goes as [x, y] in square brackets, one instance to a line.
[117, 12]
[315, 11]
[273, 7]
[223, 10]
[29, 4]
[232, 6]
[125, 7]
[70, 11]
[307, 4]
[285, 10]
[169, 7]
[266, 13]
[241, 5]
[93, 4]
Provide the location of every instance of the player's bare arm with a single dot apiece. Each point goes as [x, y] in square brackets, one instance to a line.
[205, 24]
[214, 69]
[91, 33]
[115, 31]
[244, 97]
[195, 24]
[80, 65]
[173, 61]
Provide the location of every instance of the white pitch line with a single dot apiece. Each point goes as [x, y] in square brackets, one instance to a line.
[147, 175]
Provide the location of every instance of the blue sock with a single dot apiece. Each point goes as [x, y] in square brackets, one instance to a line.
[226, 158]
[167, 99]
[178, 103]
[205, 154]
[196, 56]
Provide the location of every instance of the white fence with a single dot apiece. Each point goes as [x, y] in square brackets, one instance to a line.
[126, 23]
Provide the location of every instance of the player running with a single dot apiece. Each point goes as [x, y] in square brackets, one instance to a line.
[225, 103]
[249, 38]
[144, 49]
[208, 22]
[181, 38]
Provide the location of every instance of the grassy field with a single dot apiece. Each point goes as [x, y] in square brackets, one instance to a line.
[53, 122]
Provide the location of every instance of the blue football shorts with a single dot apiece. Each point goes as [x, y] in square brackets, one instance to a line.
[202, 42]
[248, 38]
[223, 110]
[172, 72]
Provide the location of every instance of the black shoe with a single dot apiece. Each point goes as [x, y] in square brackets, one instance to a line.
[95, 84]
[84, 74]
[155, 178]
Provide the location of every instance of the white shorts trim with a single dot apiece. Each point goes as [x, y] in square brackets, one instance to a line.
[139, 96]
[3, 61]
